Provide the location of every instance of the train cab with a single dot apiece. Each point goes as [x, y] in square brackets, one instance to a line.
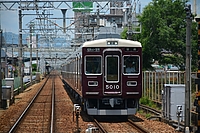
[111, 76]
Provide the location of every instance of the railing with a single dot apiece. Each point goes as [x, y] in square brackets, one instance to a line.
[16, 82]
[153, 82]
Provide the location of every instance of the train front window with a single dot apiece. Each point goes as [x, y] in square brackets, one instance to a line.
[112, 63]
[131, 64]
[93, 65]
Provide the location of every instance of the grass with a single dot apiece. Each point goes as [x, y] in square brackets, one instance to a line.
[147, 102]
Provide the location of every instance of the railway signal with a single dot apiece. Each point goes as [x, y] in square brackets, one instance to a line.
[77, 111]
[179, 115]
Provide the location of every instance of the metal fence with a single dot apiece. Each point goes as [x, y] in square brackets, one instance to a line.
[16, 82]
[153, 83]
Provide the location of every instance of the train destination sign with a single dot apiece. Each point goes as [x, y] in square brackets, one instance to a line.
[93, 49]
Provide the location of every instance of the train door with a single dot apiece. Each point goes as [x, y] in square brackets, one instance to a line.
[112, 72]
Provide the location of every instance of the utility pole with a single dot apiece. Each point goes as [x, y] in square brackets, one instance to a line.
[188, 66]
[20, 73]
[197, 81]
[31, 44]
[12, 72]
[1, 32]
[6, 61]
[98, 19]
[129, 32]
[195, 6]
[37, 52]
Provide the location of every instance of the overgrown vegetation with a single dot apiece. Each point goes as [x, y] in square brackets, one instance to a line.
[146, 101]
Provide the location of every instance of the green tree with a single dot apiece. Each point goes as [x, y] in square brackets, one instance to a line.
[163, 34]
[194, 42]
[123, 34]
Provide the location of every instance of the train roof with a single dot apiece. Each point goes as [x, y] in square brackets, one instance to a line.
[121, 43]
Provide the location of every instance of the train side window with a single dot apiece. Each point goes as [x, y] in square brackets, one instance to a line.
[93, 65]
[131, 64]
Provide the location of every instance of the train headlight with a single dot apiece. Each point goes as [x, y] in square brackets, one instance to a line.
[131, 83]
[92, 83]
[131, 49]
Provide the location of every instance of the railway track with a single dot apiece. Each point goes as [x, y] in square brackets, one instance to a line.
[63, 116]
[151, 110]
[106, 124]
[101, 128]
[125, 126]
[38, 116]
[157, 114]
[137, 126]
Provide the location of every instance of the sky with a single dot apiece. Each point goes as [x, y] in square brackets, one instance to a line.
[9, 20]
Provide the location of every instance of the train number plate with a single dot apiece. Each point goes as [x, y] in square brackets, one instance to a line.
[112, 87]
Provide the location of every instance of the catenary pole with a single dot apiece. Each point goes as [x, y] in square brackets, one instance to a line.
[20, 73]
[31, 45]
[197, 81]
[188, 65]
[1, 37]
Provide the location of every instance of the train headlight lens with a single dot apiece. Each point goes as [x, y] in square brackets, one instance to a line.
[92, 83]
[131, 83]
[131, 49]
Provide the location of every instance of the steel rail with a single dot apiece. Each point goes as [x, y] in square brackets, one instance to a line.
[13, 128]
[52, 105]
[139, 128]
[158, 114]
[152, 110]
[100, 126]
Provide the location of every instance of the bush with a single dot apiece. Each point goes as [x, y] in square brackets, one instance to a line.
[146, 101]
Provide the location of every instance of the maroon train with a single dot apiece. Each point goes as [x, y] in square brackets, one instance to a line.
[106, 75]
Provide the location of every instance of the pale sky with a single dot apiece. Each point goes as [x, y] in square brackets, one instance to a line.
[9, 19]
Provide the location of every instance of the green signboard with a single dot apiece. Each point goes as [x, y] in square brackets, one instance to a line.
[82, 6]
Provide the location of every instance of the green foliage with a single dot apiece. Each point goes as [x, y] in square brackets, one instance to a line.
[135, 37]
[25, 86]
[123, 34]
[164, 29]
[34, 67]
[172, 59]
[34, 73]
[16, 72]
[194, 47]
[140, 111]
[148, 115]
[146, 101]
[161, 21]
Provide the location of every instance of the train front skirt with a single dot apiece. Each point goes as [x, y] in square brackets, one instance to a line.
[111, 106]
[95, 111]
